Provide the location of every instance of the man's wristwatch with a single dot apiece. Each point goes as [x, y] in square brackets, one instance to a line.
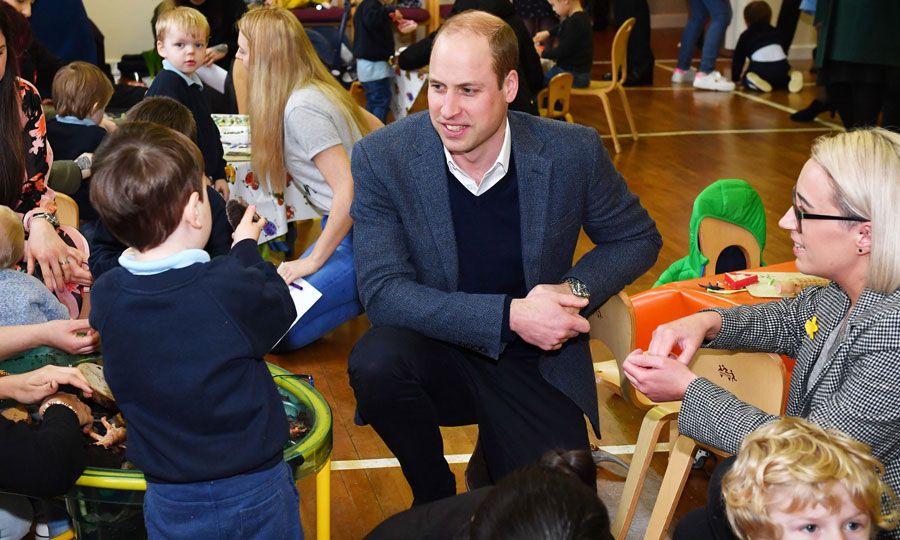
[578, 287]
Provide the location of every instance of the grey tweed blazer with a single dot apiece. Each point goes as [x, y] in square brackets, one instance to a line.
[405, 249]
[857, 392]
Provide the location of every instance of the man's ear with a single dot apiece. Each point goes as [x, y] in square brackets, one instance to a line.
[511, 86]
[191, 214]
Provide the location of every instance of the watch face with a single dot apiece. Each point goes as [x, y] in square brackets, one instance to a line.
[83, 162]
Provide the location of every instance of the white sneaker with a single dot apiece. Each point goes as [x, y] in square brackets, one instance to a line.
[683, 76]
[758, 83]
[796, 83]
[713, 81]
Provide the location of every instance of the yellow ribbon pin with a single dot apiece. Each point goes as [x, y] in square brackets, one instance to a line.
[811, 327]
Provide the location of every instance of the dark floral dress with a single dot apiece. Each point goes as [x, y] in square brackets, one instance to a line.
[36, 195]
[38, 155]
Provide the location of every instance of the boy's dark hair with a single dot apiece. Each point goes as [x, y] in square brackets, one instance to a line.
[79, 89]
[538, 503]
[142, 177]
[166, 112]
[757, 11]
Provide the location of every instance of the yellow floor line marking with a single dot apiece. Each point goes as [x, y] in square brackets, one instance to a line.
[721, 132]
[386, 463]
[780, 107]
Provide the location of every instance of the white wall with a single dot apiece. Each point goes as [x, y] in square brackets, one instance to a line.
[124, 23]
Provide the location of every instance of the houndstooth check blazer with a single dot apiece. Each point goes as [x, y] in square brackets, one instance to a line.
[857, 391]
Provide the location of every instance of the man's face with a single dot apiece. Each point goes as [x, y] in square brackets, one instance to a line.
[186, 51]
[466, 106]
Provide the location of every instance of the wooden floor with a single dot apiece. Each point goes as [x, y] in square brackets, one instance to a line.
[687, 140]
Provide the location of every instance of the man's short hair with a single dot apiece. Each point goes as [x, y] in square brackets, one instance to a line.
[794, 464]
[186, 19]
[166, 112]
[79, 89]
[501, 39]
[757, 11]
[12, 238]
[142, 177]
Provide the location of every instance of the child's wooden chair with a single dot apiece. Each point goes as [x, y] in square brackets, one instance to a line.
[558, 92]
[66, 210]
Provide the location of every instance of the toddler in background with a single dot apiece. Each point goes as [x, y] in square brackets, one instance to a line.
[81, 93]
[23, 298]
[574, 50]
[181, 36]
[183, 343]
[794, 479]
[761, 44]
[106, 248]
[373, 46]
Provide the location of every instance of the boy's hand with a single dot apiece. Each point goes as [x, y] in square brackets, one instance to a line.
[540, 37]
[248, 228]
[221, 185]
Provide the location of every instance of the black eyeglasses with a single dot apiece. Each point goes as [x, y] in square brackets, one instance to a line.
[800, 215]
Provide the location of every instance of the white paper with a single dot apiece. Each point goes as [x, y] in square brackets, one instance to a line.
[213, 76]
[304, 296]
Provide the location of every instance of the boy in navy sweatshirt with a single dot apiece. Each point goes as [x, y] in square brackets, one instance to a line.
[574, 50]
[181, 36]
[81, 93]
[183, 344]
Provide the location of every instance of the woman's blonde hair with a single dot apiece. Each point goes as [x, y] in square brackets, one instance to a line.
[282, 59]
[864, 168]
[796, 464]
[12, 238]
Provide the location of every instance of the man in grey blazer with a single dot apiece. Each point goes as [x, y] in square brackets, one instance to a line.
[466, 221]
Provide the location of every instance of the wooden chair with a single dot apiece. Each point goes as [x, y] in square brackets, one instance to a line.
[612, 333]
[559, 92]
[66, 210]
[715, 235]
[601, 89]
[756, 378]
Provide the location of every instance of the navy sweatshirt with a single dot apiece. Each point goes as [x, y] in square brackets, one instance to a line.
[183, 354]
[106, 248]
[574, 49]
[373, 34]
[489, 241]
[68, 142]
[170, 84]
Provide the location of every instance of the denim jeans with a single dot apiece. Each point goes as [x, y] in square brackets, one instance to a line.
[336, 280]
[378, 97]
[263, 505]
[579, 80]
[16, 515]
[720, 12]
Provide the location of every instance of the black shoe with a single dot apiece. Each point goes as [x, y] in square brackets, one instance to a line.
[477, 475]
[810, 113]
[639, 79]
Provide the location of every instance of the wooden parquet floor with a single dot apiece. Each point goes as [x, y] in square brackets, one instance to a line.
[687, 140]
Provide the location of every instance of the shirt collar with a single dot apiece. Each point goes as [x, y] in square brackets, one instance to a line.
[182, 259]
[193, 79]
[75, 120]
[493, 175]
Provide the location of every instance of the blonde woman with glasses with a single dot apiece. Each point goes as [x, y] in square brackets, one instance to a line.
[844, 224]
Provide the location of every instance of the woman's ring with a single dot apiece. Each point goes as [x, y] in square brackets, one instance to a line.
[64, 262]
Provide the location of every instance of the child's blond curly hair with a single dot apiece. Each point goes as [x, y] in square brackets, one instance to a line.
[12, 238]
[798, 463]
